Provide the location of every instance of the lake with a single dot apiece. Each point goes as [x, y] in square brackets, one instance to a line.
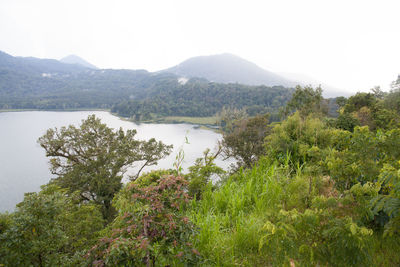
[24, 166]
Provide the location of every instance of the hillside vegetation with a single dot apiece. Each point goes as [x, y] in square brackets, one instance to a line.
[198, 98]
[307, 191]
[32, 83]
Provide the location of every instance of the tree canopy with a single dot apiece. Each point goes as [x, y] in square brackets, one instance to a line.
[306, 100]
[243, 139]
[93, 158]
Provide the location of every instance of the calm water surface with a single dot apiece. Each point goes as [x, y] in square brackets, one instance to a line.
[24, 167]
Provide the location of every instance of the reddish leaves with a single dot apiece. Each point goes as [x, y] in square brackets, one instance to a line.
[158, 220]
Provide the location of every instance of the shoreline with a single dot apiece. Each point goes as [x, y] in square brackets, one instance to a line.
[205, 123]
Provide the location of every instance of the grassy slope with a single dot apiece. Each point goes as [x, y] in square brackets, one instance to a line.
[231, 219]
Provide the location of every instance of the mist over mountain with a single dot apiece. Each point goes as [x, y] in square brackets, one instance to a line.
[74, 59]
[228, 68]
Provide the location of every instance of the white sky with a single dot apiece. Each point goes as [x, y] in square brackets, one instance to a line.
[352, 45]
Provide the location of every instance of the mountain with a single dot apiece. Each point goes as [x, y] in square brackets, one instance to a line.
[34, 83]
[48, 84]
[228, 68]
[73, 59]
[36, 66]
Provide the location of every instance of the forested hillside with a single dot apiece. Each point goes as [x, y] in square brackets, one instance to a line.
[30, 83]
[200, 98]
[308, 191]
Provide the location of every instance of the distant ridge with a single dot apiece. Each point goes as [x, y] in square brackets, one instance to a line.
[223, 68]
[49, 84]
[228, 68]
[74, 59]
[36, 66]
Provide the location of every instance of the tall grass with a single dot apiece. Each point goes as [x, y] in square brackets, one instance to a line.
[230, 218]
[232, 222]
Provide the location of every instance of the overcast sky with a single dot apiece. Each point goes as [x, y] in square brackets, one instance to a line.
[352, 44]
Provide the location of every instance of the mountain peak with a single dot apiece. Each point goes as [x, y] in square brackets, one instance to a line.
[228, 68]
[74, 59]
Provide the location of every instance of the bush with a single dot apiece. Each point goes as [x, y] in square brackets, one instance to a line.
[150, 229]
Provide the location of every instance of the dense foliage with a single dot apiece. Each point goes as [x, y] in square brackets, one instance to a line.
[243, 139]
[151, 228]
[313, 193]
[306, 100]
[200, 98]
[93, 158]
[49, 228]
[259, 218]
[377, 110]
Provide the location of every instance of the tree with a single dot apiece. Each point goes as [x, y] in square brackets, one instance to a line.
[341, 101]
[392, 99]
[346, 121]
[359, 100]
[389, 200]
[359, 157]
[303, 139]
[377, 110]
[306, 100]
[92, 159]
[201, 173]
[244, 140]
[228, 116]
[378, 93]
[49, 229]
[395, 85]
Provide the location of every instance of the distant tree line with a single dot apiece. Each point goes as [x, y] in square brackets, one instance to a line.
[200, 99]
[136, 94]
